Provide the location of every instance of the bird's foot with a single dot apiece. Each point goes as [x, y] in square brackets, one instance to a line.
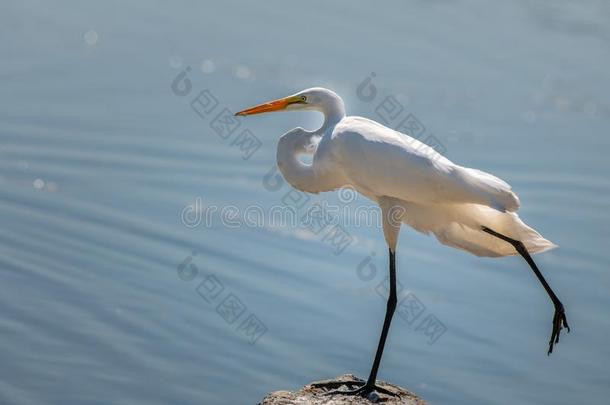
[559, 322]
[364, 390]
[336, 384]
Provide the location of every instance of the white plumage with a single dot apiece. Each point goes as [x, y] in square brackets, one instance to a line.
[464, 208]
[437, 196]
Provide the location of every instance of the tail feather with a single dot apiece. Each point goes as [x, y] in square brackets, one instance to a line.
[481, 243]
[495, 191]
[460, 226]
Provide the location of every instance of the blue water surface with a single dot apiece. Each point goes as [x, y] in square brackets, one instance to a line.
[115, 288]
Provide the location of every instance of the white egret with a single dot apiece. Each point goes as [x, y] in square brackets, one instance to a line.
[464, 208]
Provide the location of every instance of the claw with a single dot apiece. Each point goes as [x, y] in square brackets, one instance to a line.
[559, 319]
[363, 389]
[336, 384]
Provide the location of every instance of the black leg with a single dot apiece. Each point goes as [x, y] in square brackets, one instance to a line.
[559, 318]
[366, 388]
[389, 312]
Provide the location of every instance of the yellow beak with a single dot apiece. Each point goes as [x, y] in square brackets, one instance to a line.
[275, 105]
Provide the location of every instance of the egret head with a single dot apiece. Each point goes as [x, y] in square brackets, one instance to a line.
[316, 98]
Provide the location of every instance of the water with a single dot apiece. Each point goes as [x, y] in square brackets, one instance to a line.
[99, 157]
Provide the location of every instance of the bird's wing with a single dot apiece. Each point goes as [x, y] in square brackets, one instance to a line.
[382, 162]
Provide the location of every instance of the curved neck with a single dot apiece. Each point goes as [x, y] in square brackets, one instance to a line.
[311, 178]
[334, 111]
[314, 178]
[290, 146]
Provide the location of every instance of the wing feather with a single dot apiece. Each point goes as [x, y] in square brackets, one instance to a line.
[382, 162]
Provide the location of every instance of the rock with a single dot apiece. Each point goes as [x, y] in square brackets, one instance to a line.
[311, 394]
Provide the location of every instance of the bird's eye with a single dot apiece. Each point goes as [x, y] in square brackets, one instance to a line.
[303, 98]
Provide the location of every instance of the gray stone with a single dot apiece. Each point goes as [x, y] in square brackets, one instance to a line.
[311, 395]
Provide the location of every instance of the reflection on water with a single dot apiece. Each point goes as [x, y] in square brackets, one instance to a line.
[109, 297]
